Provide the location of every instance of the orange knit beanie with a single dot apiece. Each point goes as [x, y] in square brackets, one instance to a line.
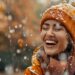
[64, 13]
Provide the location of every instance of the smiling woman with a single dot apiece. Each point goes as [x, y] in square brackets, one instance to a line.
[56, 56]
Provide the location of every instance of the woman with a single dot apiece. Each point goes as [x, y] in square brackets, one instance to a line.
[56, 56]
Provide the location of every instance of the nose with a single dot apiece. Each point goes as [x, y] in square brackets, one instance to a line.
[50, 32]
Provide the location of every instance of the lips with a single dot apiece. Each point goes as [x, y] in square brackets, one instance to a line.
[51, 43]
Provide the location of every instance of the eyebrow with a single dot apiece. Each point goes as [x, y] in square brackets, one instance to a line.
[45, 23]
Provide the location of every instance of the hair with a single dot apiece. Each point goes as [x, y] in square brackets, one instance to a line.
[69, 47]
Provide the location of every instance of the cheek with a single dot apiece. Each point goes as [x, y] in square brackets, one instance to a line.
[43, 33]
[62, 36]
[63, 40]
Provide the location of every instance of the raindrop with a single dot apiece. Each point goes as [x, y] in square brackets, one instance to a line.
[9, 36]
[70, 64]
[12, 31]
[26, 45]
[20, 25]
[17, 70]
[9, 17]
[9, 70]
[16, 26]
[25, 57]
[18, 51]
[24, 34]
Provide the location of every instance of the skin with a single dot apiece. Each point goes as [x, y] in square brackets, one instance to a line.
[54, 37]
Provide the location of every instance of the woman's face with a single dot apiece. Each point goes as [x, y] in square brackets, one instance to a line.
[54, 37]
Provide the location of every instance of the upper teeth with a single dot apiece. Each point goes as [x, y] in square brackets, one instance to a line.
[50, 41]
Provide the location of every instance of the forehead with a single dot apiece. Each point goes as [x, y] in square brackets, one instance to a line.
[52, 22]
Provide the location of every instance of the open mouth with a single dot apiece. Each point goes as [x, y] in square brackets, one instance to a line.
[51, 43]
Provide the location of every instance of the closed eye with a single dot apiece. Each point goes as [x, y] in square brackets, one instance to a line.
[58, 27]
[45, 26]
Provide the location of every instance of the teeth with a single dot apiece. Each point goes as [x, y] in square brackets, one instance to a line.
[50, 41]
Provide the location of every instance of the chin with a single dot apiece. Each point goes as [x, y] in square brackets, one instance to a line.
[51, 53]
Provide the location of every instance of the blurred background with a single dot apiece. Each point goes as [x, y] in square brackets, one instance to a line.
[20, 32]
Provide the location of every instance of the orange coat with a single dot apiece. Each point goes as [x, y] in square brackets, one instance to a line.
[54, 66]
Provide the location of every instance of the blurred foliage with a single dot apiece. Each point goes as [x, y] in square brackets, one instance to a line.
[20, 21]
